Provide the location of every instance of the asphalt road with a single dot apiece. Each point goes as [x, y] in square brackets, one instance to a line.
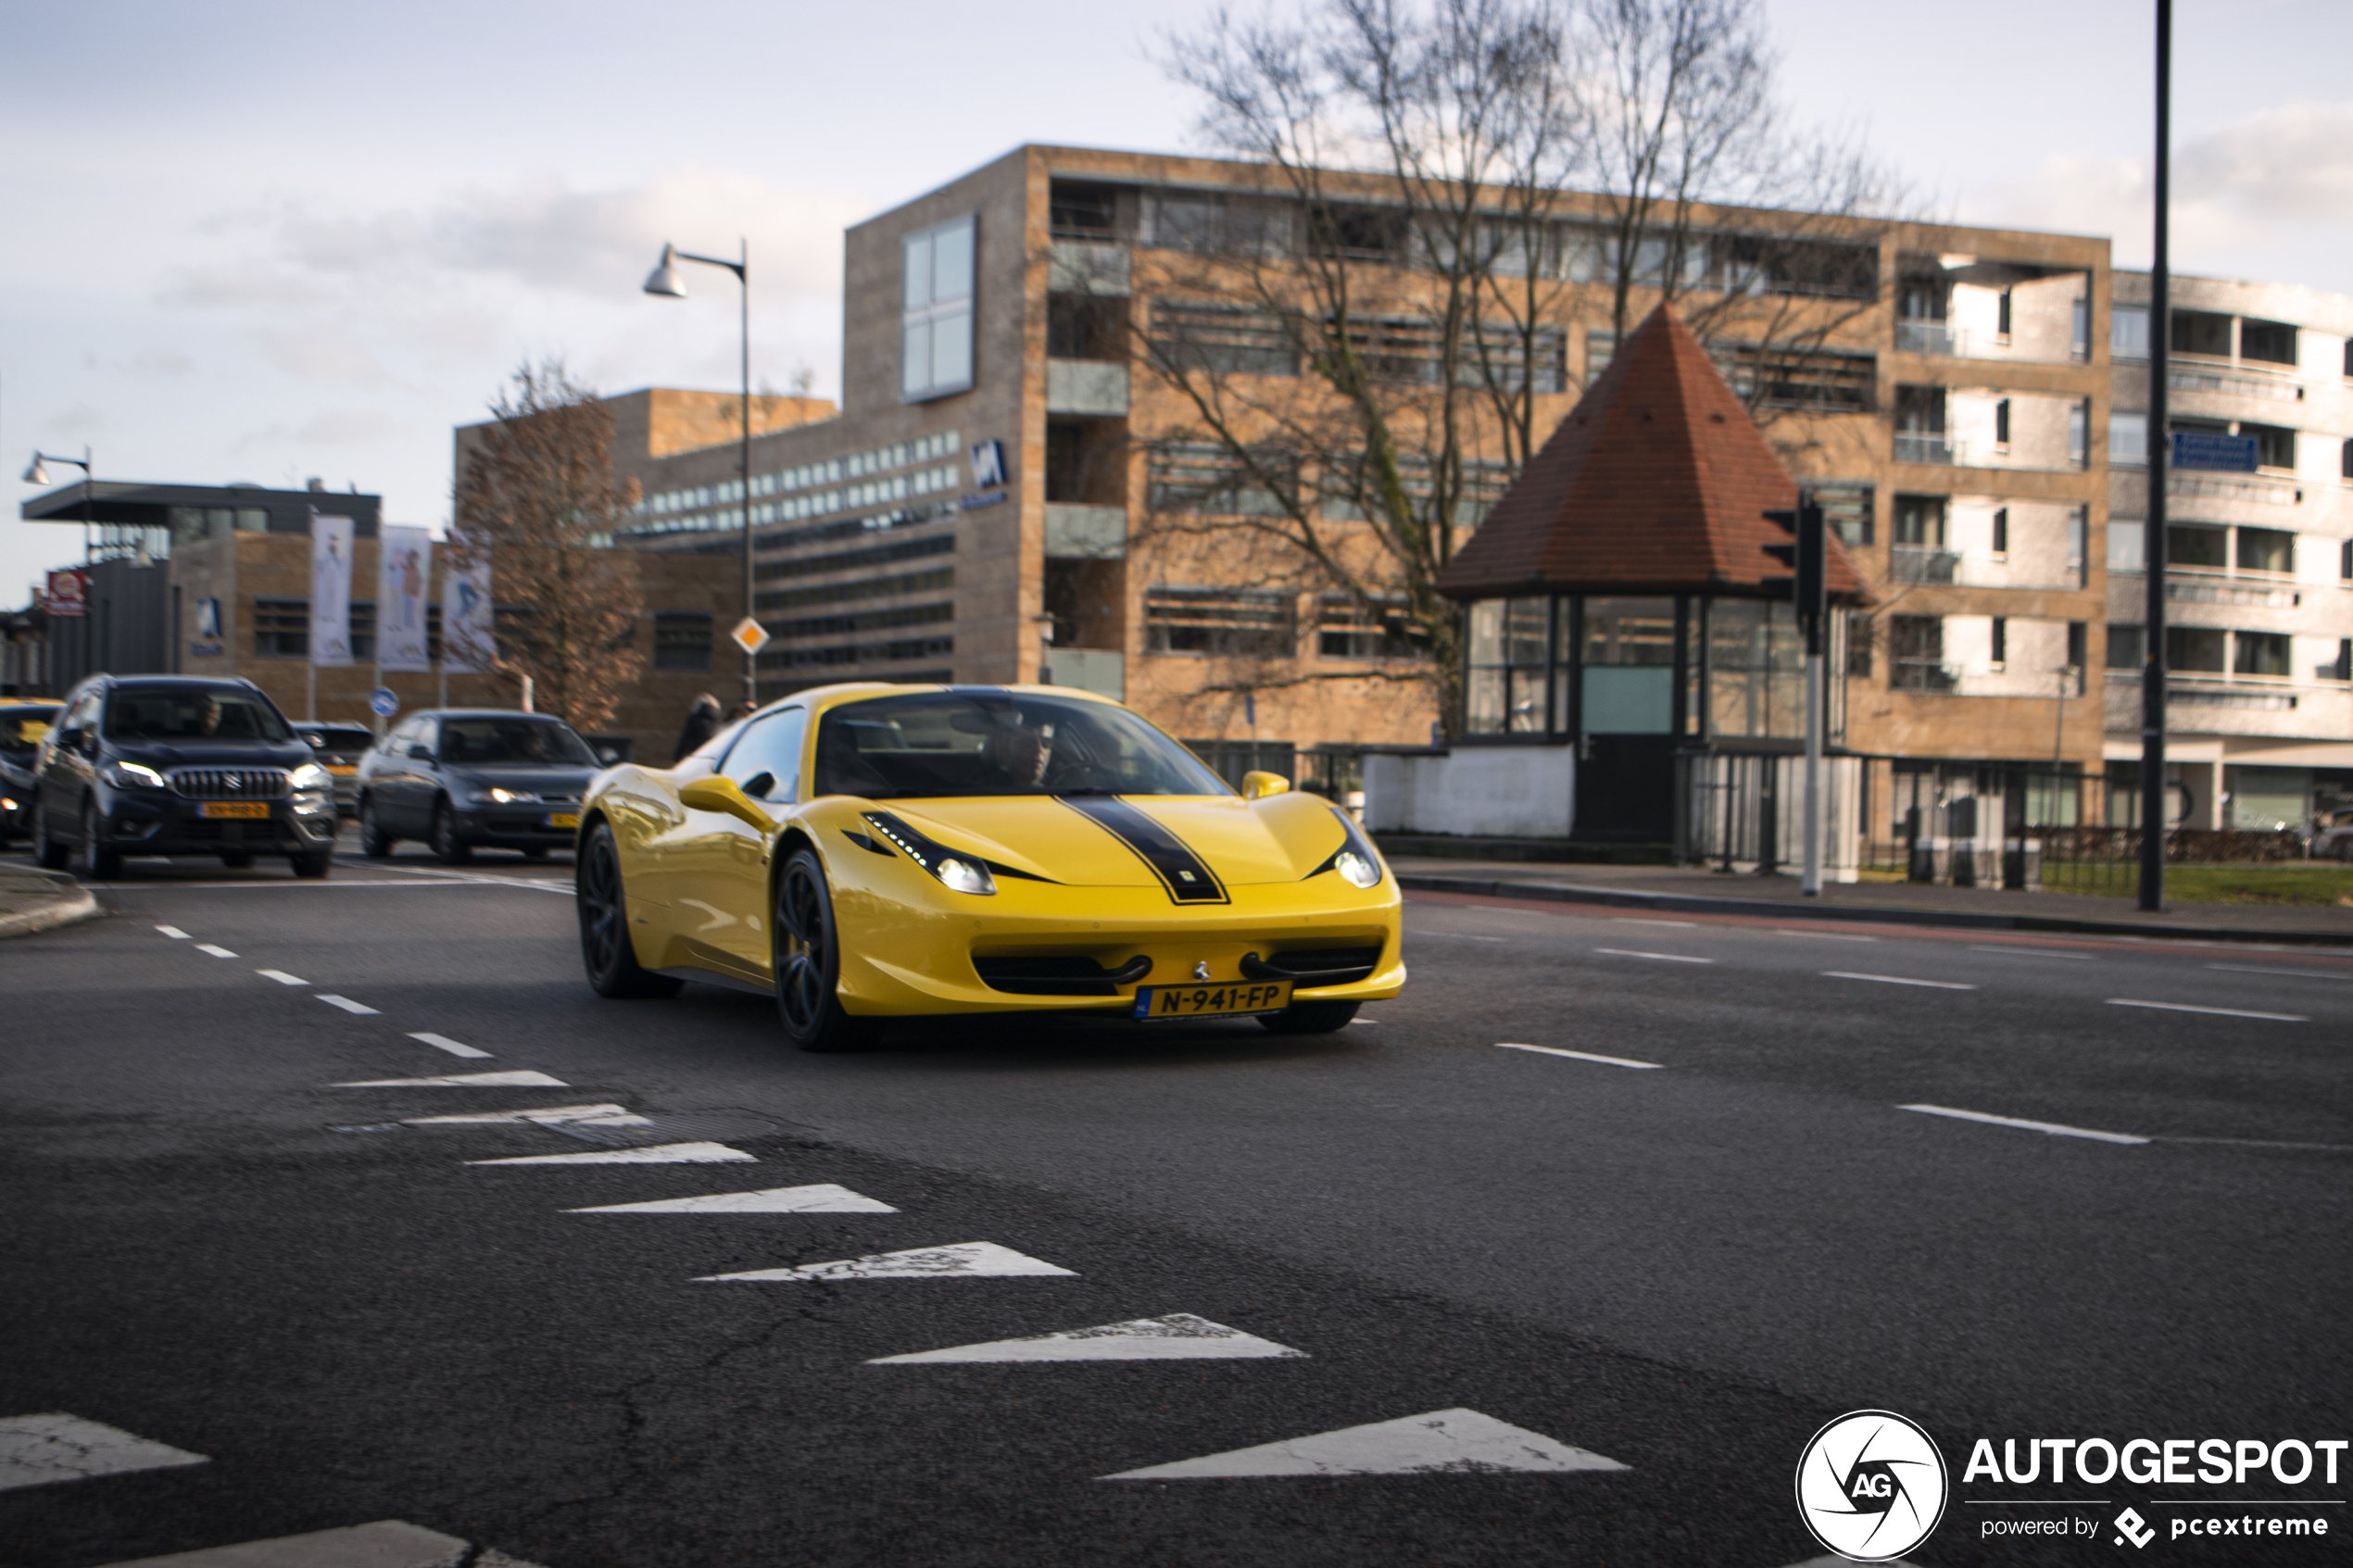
[1683, 1249]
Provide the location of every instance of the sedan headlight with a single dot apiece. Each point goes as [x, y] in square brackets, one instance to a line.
[504, 797]
[133, 775]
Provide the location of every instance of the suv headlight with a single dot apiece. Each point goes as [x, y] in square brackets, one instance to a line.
[312, 776]
[133, 775]
[504, 797]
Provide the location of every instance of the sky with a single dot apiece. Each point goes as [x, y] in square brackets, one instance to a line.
[268, 241]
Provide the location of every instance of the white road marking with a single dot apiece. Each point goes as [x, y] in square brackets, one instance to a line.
[1180, 1336]
[1457, 937]
[1896, 980]
[2030, 952]
[2220, 1012]
[516, 1079]
[2295, 973]
[1456, 1440]
[387, 1543]
[38, 1449]
[2056, 1129]
[658, 1154]
[174, 933]
[1363, 1022]
[216, 952]
[1581, 1056]
[443, 1043]
[347, 1004]
[970, 1259]
[546, 1115]
[1825, 936]
[1650, 919]
[1663, 958]
[822, 1199]
[281, 977]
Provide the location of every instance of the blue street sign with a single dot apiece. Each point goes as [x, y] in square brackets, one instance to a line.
[382, 702]
[2216, 453]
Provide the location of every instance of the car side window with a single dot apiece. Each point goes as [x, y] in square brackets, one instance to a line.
[765, 760]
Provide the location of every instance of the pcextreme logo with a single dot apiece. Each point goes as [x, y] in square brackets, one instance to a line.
[1871, 1486]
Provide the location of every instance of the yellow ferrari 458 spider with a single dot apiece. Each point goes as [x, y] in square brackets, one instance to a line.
[869, 852]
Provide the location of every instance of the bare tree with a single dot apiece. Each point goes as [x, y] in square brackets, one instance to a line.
[538, 498]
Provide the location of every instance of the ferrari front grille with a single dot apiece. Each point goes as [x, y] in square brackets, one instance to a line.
[231, 783]
[1314, 966]
[1060, 975]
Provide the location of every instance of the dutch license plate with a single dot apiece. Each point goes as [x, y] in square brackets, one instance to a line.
[236, 808]
[342, 770]
[1212, 1001]
[563, 818]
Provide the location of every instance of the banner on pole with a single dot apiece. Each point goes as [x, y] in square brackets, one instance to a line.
[467, 643]
[404, 566]
[68, 594]
[331, 592]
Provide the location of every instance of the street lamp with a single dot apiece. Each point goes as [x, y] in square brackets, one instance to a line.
[38, 473]
[664, 281]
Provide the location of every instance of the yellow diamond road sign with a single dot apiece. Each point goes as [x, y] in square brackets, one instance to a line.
[749, 634]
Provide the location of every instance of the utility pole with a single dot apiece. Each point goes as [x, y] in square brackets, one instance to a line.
[2161, 451]
[1808, 589]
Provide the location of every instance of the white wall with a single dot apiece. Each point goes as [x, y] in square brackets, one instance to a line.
[1475, 792]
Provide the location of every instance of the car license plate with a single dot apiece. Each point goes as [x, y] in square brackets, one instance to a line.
[563, 818]
[342, 770]
[236, 808]
[1212, 1001]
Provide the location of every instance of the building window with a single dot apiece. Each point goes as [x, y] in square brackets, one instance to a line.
[2194, 649]
[1222, 340]
[2346, 461]
[2000, 647]
[2127, 646]
[2002, 315]
[1919, 523]
[1848, 510]
[2266, 549]
[1349, 627]
[1210, 224]
[682, 641]
[2273, 343]
[2127, 544]
[281, 628]
[2128, 440]
[2078, 340]
[2201, 331]
[2274, 445]
[2259, 653]
[1085, 326]
[1234, 622]
[1211, 480]
[1601, 347]
[1082, 212]
[1509, 655]
[2002, 418]
[2128, 332]
[2078, 647]
[1915, 654]
[1827, 382]
[2196, 547]
[936, 311]
[2344, 560]
[2079, 433]
[2343, 668]
[2001, 530]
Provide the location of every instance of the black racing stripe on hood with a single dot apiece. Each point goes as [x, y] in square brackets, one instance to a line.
[1185, 875]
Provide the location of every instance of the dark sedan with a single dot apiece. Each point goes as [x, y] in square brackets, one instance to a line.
[339, 748]
[22, 725]
[462, 779]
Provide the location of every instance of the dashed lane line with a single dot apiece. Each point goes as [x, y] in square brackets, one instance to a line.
[1822, 936]
[824, 1198]
[657, 1154]
[520, 1079]
[281, 977]
[443, 1043]
[2016, 952]
[348, 1004]
[1663, 958]
[216, 951]
[1651, 920]
[2292, 973]
[1896, 980]
[545, 1116]
[2056, 1129]
[2219, 1013]
[174, 933]
[36, 1451]
[1581, 1055]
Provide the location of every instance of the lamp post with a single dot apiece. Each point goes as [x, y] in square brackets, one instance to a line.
[664, 281]
[38, 473]
[2153, 550]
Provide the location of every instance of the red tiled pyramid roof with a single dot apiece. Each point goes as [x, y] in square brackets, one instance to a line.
[1657, 482]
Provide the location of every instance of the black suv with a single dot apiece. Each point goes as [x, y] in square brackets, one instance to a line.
[171, 765]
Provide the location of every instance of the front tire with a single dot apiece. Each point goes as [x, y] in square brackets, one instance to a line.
[605, 948]
[375, 843]
[47, 853]
[447, 848]
[807, 957]
[1309, 1017]
[312, 862]
[104, 860]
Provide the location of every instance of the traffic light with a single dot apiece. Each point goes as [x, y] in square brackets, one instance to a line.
[1807, 584]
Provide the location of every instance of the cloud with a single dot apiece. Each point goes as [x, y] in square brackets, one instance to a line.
[329, 427]
[2290, 163]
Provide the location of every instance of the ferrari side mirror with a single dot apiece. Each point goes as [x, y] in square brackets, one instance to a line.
[1257, 786]
[719, 794]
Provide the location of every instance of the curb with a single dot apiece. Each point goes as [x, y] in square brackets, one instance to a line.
[1689, 903]
[69, 904]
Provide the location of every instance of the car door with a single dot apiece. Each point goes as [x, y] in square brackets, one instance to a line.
[66, 773]
[406, 788]
[718, 864]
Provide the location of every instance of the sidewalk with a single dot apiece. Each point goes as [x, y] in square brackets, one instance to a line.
[1696, 890]
[34, 900]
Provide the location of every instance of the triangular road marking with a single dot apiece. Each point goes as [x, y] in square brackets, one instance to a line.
[1457, 1441]
[38, 1449]
[387, 1543]
[826, 1198]
[602, 1115]
[969, 1259]
[658, 1154]
[1180, 1336]
[517, 1080]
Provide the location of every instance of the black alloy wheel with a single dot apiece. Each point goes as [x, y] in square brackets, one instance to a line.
[48, 853]
[605, 948]
[807, 962]
[374, 842]
[447, 848]
[104, 859]
[1309, 1017]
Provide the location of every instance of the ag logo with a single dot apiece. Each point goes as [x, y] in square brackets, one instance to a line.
[1871, 1486]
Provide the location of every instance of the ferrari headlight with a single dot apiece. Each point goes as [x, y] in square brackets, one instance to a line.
[131, 775]
[1356, 870]
[504, 797]
[964, 877]
[1355, 861]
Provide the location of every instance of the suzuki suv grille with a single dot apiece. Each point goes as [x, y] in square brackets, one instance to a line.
[231, 783]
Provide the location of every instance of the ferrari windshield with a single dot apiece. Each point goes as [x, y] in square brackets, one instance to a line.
[999, 743]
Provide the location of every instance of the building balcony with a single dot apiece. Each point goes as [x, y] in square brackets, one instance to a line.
[1933, 450]
[1088, 387]
[1942, 339]
[1956, 568]
[2234, 487]
[1100, 671]
[1078, 532]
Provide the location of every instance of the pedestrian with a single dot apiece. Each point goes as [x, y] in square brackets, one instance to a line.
[702, 722]
[743, 709]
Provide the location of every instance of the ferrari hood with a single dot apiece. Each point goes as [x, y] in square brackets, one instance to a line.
[1194, 846]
